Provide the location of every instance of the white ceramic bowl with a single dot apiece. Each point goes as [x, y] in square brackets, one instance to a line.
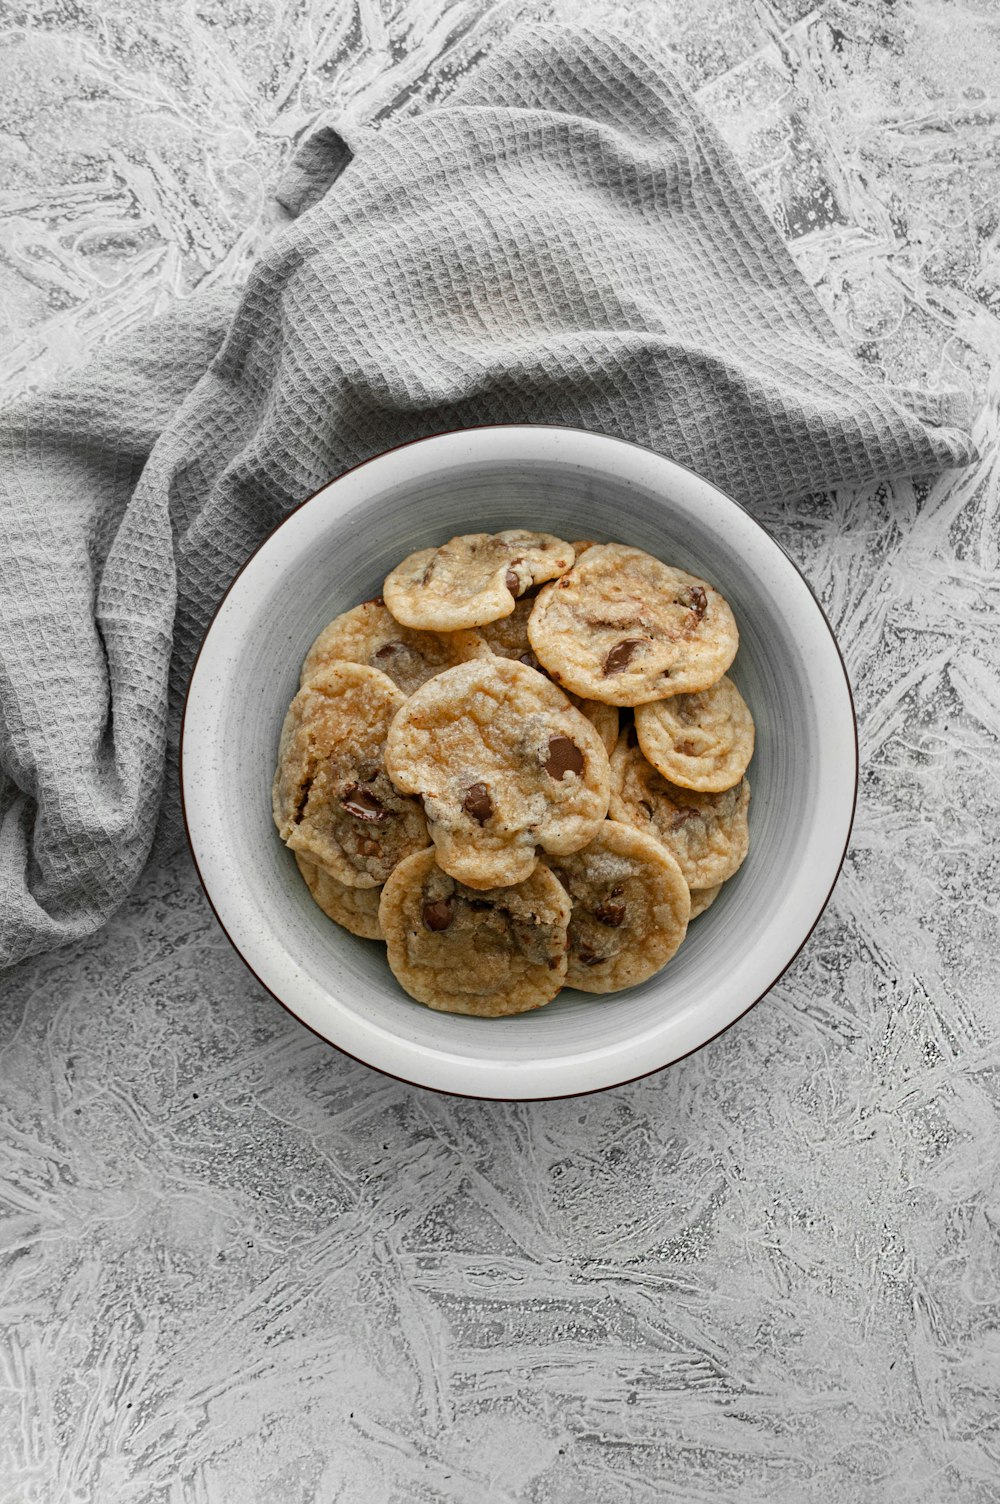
[334, 551]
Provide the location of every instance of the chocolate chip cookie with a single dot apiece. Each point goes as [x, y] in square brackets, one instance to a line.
[504, 764]
[355, 909]
[707, 833]
[620, 626]
[370, 634]
[332, 799]
[486, 952]
[472, 579]
[630, 908]
[508, 638]
[703, 898]
[701, 741]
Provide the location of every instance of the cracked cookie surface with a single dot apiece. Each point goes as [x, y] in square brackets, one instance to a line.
[332, 799]
[700, 741]
[630, 908]
[707, 833]
[620, 626]
[485, 952]
[473, 579]
[371, 635]
[508, 638]
[505, 764]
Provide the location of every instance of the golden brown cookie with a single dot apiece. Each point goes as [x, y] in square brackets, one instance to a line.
[508, 638]
[603, 718]
[630, 908]
[707, 833]
[504, 763]
[702, 741]
[486, 952]
[370, 634]
[472, 579]
[332, 799]
[622, 627]
[703, 898]
[356, 909]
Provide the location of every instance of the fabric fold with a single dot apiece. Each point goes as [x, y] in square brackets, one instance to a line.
[566, 240]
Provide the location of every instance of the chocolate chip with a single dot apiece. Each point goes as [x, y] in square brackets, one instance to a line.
[388, 649]
[610, 912]
[621, 655]
[588, 955]
[439, 914]
[682, 815]
[477, 803]
[564, 757]
[512, 580]
[697, 602]
[362, 804]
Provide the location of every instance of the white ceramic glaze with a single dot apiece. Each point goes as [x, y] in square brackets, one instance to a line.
[335, 551]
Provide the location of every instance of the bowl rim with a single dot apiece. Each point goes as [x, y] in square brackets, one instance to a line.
[527, 427]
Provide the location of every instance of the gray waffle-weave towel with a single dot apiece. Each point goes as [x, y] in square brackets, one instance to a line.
[565, 241]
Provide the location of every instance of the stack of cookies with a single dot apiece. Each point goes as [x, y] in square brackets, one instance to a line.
[521, 767]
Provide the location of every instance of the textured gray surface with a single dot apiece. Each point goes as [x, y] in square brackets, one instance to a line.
[237, 1266]
[565, 241]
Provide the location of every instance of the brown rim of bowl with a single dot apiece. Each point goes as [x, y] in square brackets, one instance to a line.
[627, 1080]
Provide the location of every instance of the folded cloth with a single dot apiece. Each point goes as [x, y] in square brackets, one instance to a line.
[566, 240]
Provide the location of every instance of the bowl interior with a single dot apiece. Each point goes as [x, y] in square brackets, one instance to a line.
[334, 552]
